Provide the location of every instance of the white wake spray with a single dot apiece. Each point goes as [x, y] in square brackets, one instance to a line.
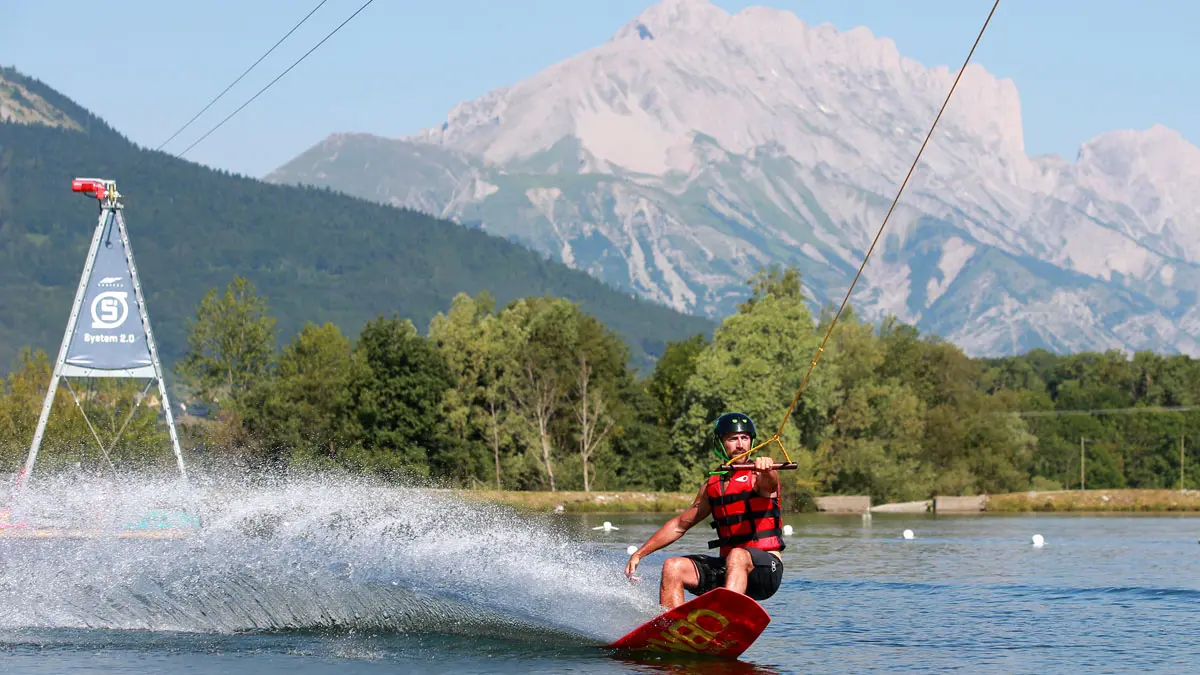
[304, 554]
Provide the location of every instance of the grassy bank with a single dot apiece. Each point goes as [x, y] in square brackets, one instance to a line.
[586, 502]
[1096, 500]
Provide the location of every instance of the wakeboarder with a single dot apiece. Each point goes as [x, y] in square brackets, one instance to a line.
[745, 508]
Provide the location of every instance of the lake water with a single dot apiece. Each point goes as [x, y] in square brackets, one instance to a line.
[310, 578]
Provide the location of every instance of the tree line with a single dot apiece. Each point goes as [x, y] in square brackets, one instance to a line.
[539, 395]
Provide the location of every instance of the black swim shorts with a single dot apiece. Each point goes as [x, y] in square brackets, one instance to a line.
[762, 583]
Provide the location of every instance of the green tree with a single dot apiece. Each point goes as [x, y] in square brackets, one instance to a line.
[854, 348]
[546, 333]
[937, 371]
[669, 380]
[755, 364]
[479, 355]
[876, 425]
[302, 410]
[998, 448]
[875, 447]
[600, 375]
[396, 399]
[642, 449]
[231, 343]
[493, 414]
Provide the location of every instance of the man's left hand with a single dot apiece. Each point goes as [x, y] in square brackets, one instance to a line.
[763, 463]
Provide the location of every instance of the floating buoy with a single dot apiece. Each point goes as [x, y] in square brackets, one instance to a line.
[1038, 541]
[631, 550]
[908, 534]
[787, 530]
[607, 527]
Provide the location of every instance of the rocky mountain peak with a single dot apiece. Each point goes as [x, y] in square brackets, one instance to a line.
[686, 69]
[696, 145]
[675, 18]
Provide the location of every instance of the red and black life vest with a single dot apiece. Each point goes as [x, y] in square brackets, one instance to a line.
[742, 517]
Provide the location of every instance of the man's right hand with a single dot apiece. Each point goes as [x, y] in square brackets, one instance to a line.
[631, 567]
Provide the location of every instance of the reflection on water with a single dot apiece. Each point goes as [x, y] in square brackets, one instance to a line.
[676, 665]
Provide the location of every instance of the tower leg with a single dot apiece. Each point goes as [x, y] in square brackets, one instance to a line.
[48, 404]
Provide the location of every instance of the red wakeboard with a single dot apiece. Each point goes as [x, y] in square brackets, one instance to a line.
[720, 623]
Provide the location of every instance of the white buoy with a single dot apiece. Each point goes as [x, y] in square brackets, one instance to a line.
[1038, 541]
[787, 530]
[607, 527]
[631, 550]
[908, 534]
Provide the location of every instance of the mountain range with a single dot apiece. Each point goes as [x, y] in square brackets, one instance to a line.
[696, 145]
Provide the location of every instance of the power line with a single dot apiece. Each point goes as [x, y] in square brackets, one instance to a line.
[239, 79]
[289, 68]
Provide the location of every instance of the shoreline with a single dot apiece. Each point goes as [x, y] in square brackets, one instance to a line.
[1058, 501]
[1096, 501]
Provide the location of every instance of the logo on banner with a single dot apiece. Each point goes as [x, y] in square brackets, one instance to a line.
[109, 309]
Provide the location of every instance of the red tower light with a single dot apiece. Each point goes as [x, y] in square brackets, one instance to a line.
[94, 187]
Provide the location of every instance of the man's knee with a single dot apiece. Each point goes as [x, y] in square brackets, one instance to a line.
[680, 570]
[740, 558]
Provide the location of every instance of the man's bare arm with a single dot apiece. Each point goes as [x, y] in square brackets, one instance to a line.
[672, 530]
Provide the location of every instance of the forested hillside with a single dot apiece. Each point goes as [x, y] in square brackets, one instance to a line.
[315, 254]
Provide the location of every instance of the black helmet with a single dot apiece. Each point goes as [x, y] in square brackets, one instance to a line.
[731, 423]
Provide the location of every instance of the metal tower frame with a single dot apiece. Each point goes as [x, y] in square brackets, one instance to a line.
[105, 191]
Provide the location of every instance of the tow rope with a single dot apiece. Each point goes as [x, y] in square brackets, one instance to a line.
[737, 461]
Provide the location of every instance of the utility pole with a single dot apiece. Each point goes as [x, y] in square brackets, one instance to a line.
[1181, 461]
[1082, 479]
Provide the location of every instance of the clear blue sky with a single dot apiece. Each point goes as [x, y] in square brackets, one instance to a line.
[1082, 67]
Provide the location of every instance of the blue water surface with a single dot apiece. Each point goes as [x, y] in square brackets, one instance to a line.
[1106, 593]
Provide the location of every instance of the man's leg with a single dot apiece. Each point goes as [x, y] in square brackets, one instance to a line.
[737, 569]
[677, 573]
[766, 576]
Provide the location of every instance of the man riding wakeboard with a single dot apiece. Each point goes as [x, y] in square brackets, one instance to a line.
[745, 508]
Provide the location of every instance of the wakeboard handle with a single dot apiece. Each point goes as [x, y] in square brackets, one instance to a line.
[742, 466]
